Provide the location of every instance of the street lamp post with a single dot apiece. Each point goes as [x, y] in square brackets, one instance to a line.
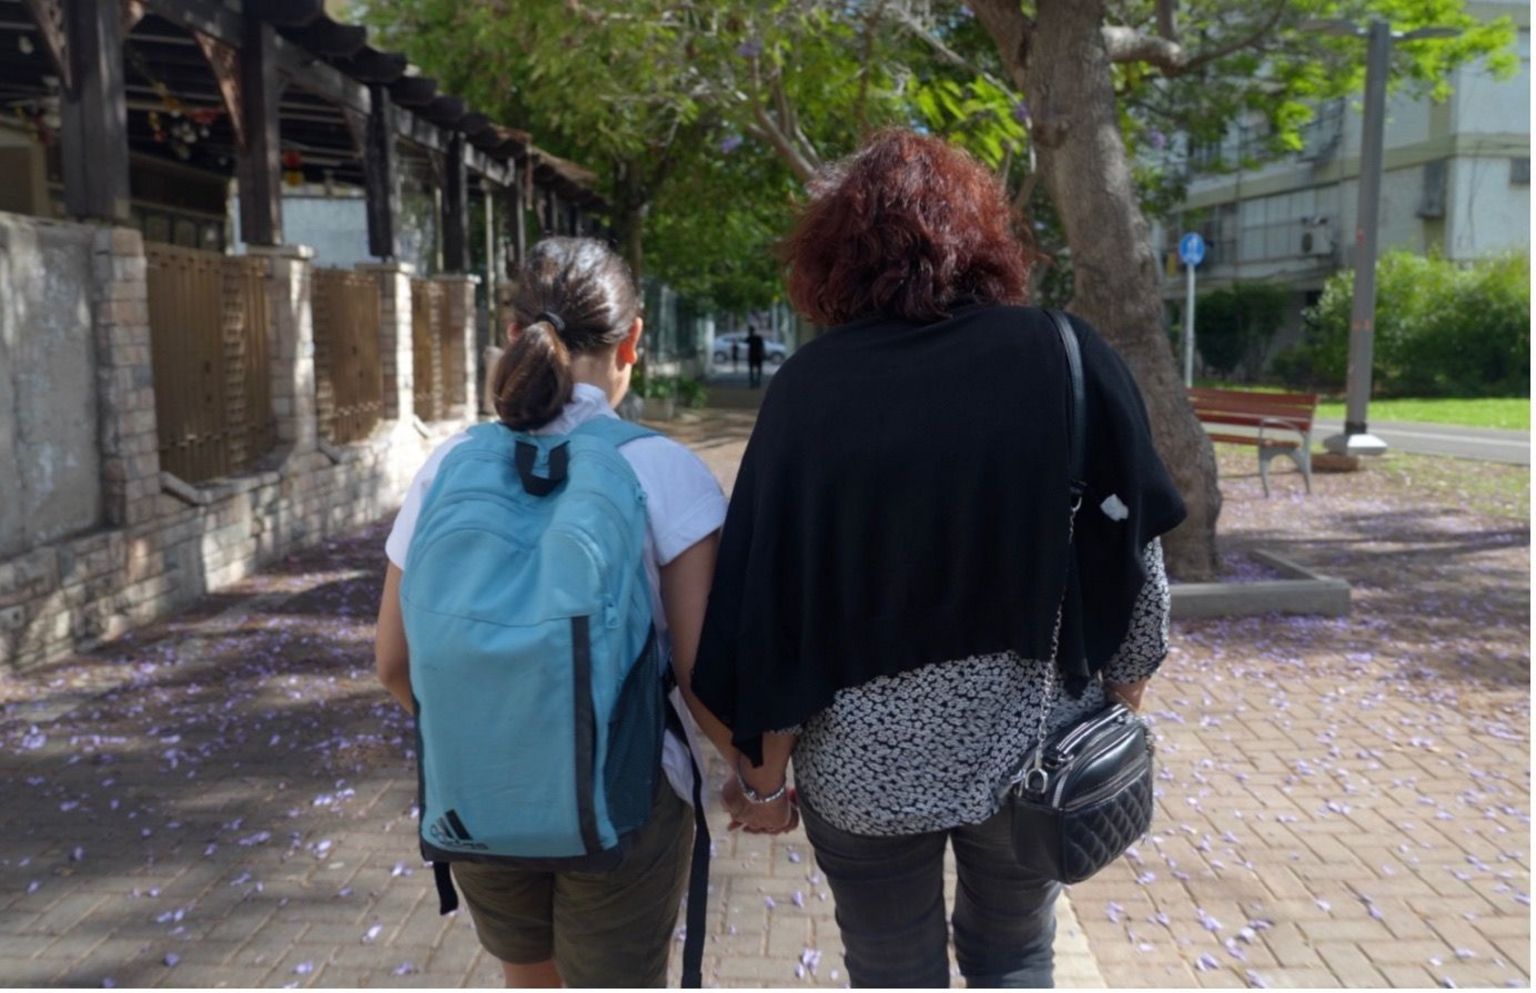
[1356, 439]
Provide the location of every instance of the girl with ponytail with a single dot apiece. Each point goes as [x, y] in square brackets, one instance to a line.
[570, 353]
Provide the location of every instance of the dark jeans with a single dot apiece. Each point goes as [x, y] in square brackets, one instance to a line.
[754, 374]
[890, 906]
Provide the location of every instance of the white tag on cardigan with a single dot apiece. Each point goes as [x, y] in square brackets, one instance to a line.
[1114, 508]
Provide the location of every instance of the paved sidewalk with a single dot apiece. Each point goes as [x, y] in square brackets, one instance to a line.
[226, 799]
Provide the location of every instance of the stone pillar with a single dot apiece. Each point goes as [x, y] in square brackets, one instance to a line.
[291, 344]
[459, 322]
[130, 440]
[395, 352]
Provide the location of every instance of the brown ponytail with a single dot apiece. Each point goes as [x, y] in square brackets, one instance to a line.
[533, 381]
[592, 296]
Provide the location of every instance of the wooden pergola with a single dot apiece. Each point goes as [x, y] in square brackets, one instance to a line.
[264, 88]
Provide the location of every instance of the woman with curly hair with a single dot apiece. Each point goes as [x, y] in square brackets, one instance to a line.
[896, 557]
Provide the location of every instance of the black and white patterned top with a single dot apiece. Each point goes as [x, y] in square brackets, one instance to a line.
[935, 747]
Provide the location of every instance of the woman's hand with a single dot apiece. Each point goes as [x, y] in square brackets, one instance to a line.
[777, 817]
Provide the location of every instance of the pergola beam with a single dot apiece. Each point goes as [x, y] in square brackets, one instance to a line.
[381, 177]
[95, 114]
[455, 208]
[261, 196]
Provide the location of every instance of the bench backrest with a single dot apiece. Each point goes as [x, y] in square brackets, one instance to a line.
[1249, 409]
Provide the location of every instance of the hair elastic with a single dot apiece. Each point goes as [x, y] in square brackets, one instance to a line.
[552, 318]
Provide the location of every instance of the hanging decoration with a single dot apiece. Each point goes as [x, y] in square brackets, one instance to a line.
[176, 124]
[50, 17]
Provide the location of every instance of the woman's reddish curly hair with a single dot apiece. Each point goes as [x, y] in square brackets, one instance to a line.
[908, 228]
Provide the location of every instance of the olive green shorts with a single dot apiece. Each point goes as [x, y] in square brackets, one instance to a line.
[601, 928]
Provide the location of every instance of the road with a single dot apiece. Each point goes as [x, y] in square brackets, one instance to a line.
[1485, 444]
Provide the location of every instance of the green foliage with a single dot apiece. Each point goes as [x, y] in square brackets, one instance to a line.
[1272, 73]
[648, 387]
[692, 393]
[1442, 329]
[1235, 325]
[722, 259]
[702, 119]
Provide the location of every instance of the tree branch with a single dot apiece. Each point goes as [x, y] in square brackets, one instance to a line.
[915, 28]
[793, 156]
[1125, 44]
[1167, 19]
[1010, 29]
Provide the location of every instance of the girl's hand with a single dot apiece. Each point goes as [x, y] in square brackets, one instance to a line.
[777, 817]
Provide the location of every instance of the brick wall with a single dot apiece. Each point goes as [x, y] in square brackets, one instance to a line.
[166, 543]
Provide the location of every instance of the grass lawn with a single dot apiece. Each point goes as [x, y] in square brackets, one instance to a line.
[1513, 413]
[1492, 412]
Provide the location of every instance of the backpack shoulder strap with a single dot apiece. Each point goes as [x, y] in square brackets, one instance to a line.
[614, 430]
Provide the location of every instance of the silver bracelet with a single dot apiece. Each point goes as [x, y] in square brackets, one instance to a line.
[760, 799]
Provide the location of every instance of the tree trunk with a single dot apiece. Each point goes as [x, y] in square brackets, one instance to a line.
[631, 205]
[1061, 65]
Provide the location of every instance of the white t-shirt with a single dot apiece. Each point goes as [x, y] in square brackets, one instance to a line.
[684, 505]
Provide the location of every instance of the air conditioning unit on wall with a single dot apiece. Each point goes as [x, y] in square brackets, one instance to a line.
[1317, 237]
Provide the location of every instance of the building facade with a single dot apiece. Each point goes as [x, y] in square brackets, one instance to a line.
[1456, 182]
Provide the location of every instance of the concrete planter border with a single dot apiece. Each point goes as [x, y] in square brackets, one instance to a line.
[1301, 592]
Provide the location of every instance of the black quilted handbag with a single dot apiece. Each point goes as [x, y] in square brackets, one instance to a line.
[1085, 794]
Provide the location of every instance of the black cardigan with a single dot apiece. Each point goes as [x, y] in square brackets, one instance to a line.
[903, 500]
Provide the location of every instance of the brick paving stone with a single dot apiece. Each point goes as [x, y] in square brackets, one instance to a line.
[1311, 769]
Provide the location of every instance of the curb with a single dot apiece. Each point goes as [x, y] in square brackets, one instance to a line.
[1302, 592]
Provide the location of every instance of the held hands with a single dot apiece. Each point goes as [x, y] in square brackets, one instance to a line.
[776, 817]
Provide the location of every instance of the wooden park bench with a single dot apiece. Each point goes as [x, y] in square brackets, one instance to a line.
[1263, 414]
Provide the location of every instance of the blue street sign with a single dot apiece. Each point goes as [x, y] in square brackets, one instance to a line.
[1192, 249]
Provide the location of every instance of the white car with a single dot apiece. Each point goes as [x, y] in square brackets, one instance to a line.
[774, 352]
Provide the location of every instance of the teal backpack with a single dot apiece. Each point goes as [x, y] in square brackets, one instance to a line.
[539, 684]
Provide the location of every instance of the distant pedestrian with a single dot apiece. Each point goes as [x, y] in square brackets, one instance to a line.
[897, 565]
[755, 349]
[735, 353]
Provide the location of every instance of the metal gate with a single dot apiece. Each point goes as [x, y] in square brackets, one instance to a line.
[349, 380]
[427, 319]
[208, 320]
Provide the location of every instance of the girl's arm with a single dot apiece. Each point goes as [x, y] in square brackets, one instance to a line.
[685, 585]
[390, 656]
